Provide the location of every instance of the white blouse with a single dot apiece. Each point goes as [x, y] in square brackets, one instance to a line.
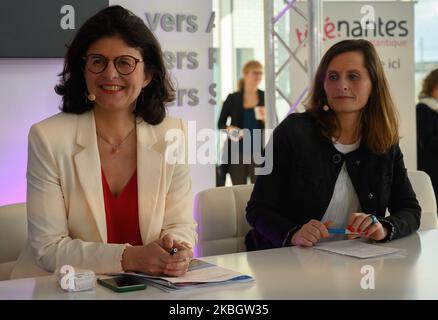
[344, 200]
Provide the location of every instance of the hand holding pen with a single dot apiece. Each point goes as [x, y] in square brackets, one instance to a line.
[347, 231]
[359, 225]
[155, 258]
[366, 225]
[310, 233]
[177, 255]
[172, 251]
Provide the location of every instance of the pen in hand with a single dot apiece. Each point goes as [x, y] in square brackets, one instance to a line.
[342, 231]
[172, 251]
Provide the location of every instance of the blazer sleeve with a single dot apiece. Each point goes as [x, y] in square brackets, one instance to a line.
[48, 217]
[225, 112]
[264, 209]
[178, 214]
[405, 212]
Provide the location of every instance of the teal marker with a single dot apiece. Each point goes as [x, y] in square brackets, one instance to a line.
[340, 231]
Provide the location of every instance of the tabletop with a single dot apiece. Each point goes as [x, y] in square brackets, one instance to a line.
[286, 273]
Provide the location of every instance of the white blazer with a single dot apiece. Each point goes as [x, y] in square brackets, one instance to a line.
[65, 204]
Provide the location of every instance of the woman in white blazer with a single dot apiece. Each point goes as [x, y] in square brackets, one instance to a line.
[109, 138]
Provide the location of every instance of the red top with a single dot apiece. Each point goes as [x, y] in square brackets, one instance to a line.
[122, 213]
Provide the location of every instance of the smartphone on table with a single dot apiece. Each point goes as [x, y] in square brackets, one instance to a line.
[121, 283]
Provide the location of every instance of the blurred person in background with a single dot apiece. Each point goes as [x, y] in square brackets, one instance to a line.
[427, 128]
[244, 109]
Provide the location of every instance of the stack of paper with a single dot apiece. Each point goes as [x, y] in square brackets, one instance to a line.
[199, 274]
[355, 248]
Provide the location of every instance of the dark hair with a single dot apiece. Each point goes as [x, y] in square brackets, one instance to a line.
[379, 118]
[429, 84]
[116, 21]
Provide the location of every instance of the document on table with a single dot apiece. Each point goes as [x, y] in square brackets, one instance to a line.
[356, 248]
[200, 274]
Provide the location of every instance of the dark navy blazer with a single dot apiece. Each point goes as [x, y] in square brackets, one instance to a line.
[305, 170]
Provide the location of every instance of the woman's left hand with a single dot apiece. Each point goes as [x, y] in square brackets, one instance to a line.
[362, 223]
[183, 255]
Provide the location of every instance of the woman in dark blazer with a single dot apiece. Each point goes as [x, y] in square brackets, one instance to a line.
[339, 163]
[245, 108]
[427, 129]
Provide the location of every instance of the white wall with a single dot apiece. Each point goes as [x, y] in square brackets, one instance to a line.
[26, 96]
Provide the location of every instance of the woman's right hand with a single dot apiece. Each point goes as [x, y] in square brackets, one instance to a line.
[155, 260]
[310, 233]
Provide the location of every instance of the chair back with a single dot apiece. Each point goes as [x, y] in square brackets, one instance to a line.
[220, 213]
[13, 236]
[423, 188]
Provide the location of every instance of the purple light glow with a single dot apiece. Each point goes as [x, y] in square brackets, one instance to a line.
[298, 101]
[198, 218]
[26, 97]
[285, 9]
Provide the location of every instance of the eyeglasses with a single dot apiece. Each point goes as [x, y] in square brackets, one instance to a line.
[97, 63]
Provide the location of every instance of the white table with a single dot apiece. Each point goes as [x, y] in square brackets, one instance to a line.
[286, 273]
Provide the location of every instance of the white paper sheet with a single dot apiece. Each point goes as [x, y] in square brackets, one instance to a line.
[200, 274]
[211, 274]
[355, 248]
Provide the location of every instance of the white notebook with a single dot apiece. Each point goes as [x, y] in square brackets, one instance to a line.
[356, 248]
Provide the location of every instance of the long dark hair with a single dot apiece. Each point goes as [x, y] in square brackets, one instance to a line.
[116, 21]
[379, 119]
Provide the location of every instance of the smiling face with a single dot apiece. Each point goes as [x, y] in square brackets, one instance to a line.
[347, 83]
[114, 91]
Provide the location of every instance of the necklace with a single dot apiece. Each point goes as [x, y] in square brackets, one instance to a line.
[115, 147]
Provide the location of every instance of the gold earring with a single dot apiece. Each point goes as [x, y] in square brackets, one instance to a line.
[325, 108]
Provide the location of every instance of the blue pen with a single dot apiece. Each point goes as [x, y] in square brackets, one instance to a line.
[340, 231]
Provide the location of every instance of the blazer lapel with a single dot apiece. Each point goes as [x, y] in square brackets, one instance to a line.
[149, 172]
[87, 162]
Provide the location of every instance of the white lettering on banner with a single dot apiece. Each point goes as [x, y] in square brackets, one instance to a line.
[367, 281]
[67, 280]
[367, 20]
[68, 20]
